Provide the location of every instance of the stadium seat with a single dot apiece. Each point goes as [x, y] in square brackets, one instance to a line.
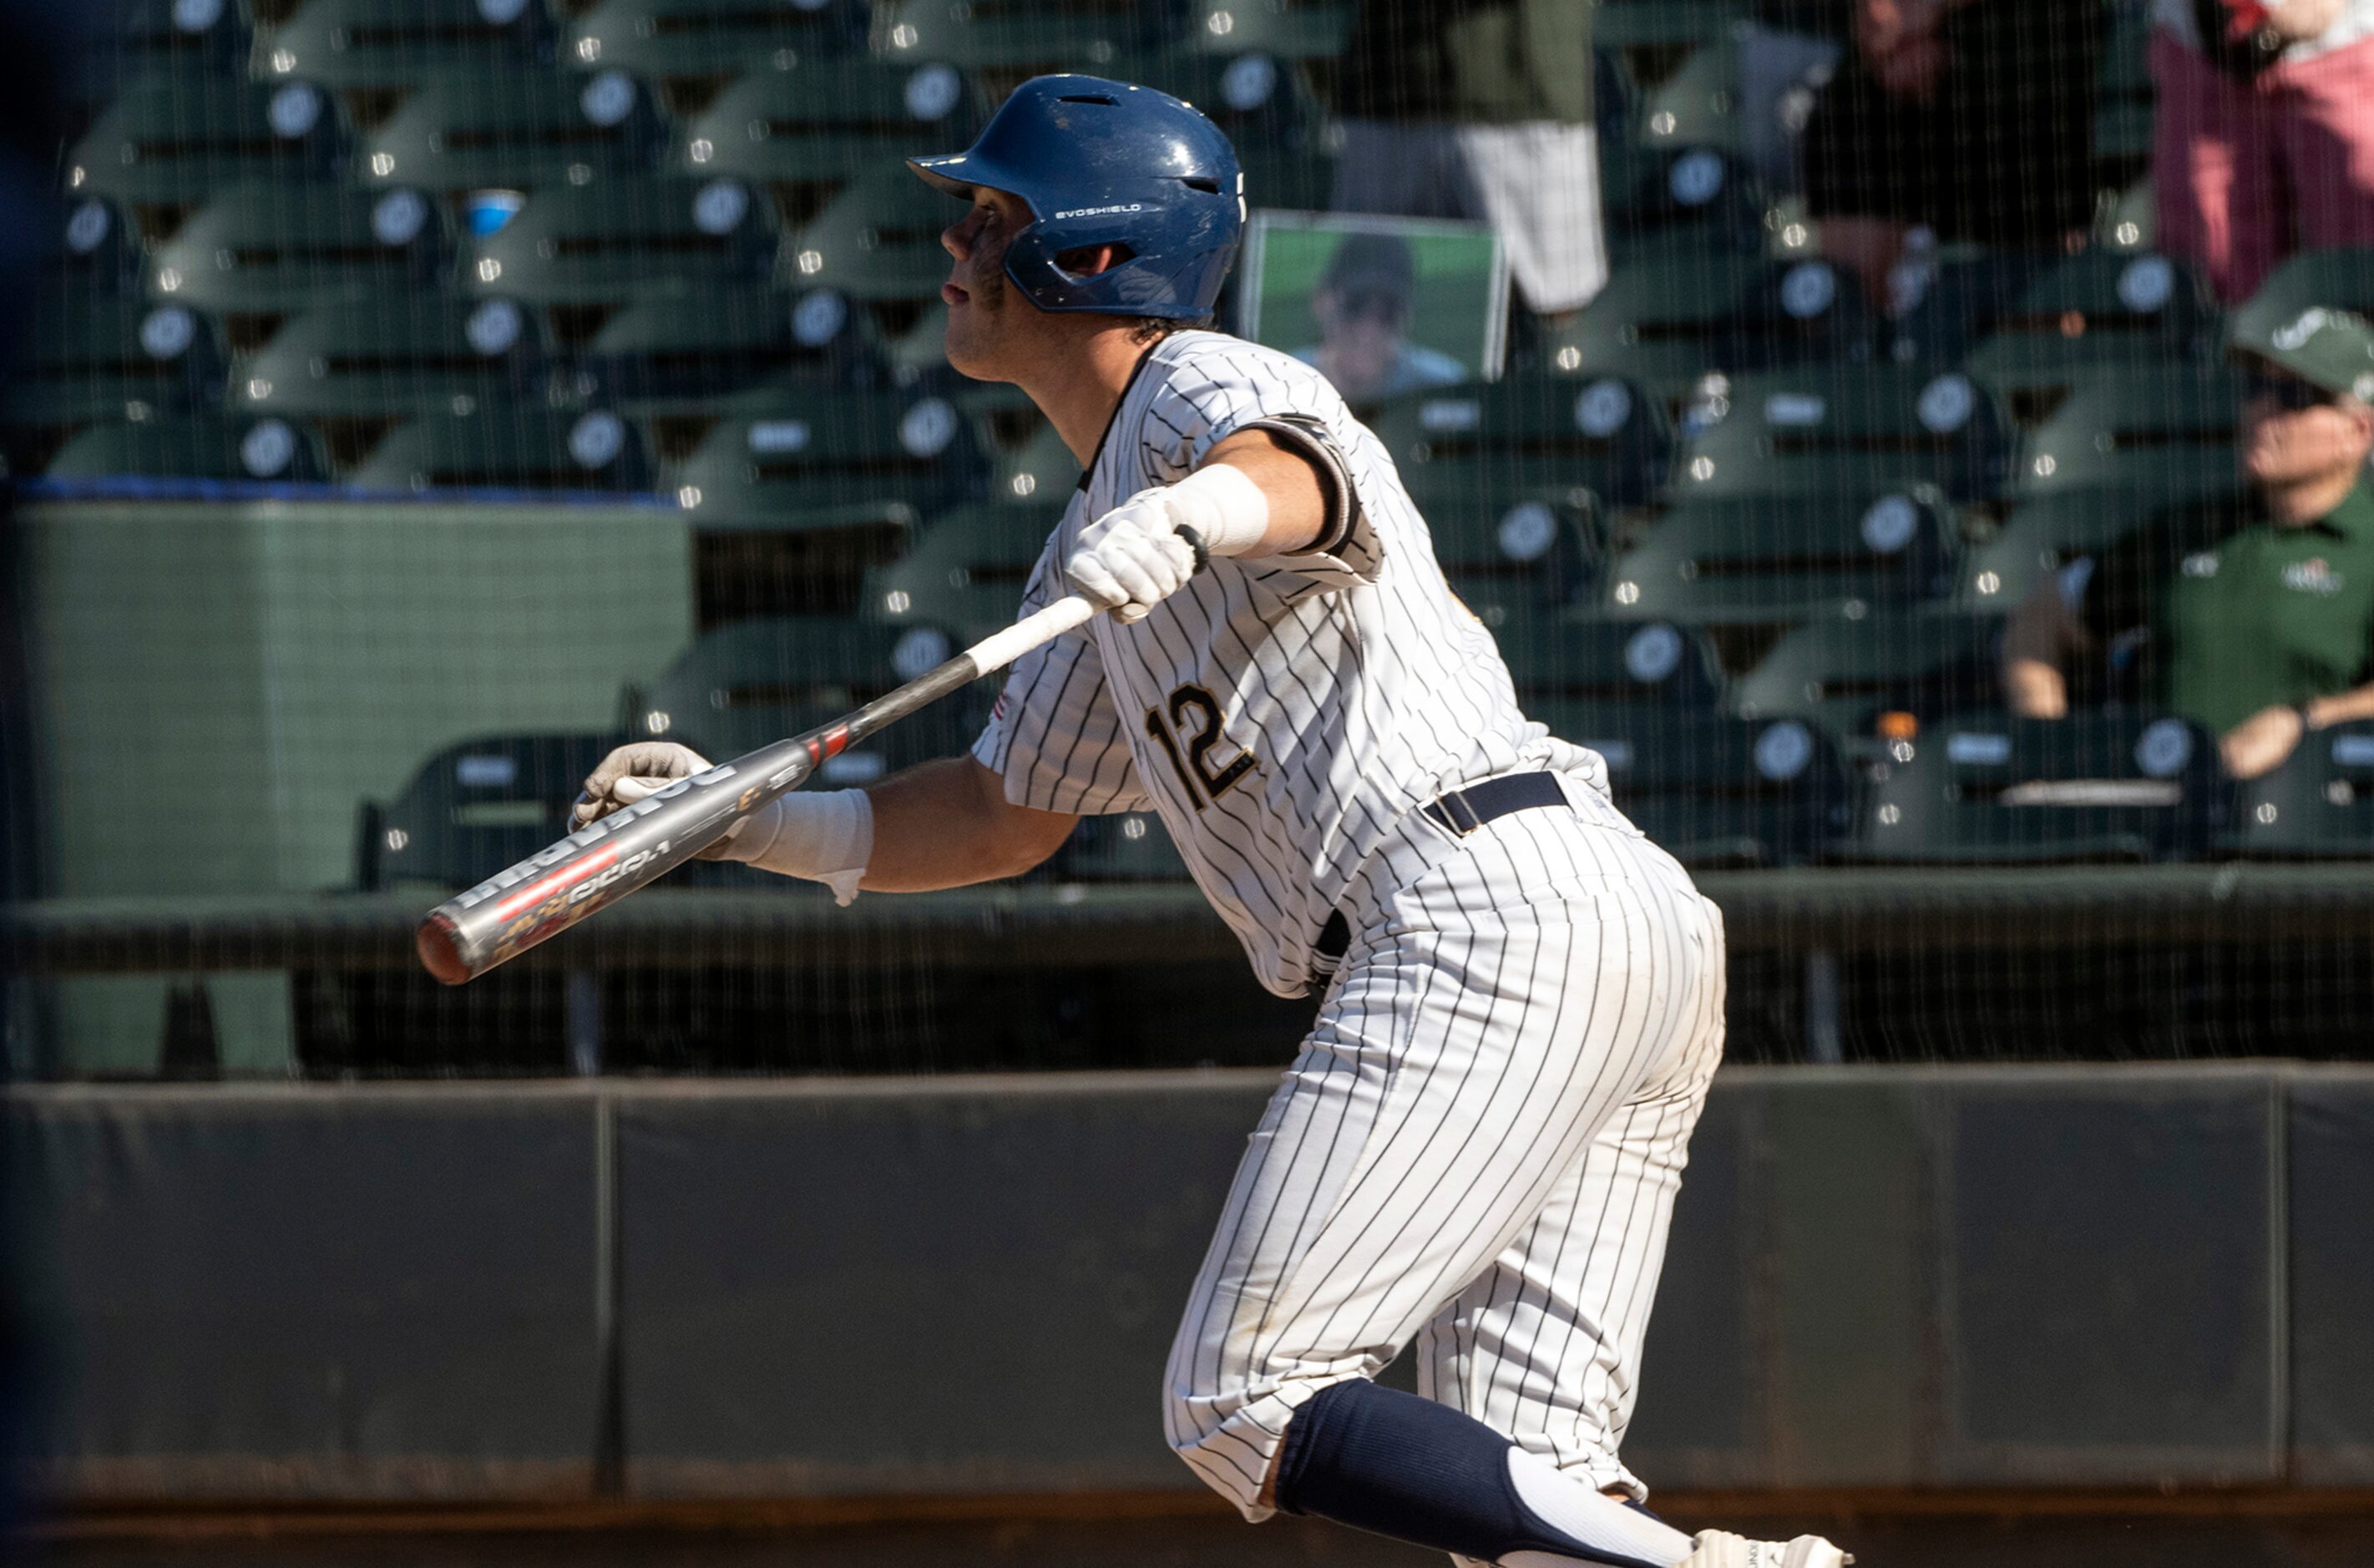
[1840, 430]
[1266, 106]
[1124, 847]
[1697, 103]
[97, 252]
[399, 356]
[1546, 434]
[1667, 318]
[473, 808]
[1714, 791]
[1522, 550]
[2040, 536]
[879, 238]
[618, 240]
[786, 458]
[712, 38]
[1789, 559]
[284, 246]
[1659, 198]
[672, 352]
[2317, 805]
[752, 683]
[1555, 656]
[2122, 108]
[2125, 217]
[174, 139]
[964, 574]
[1845, 674]
[1664, 23]
[122, 359]
[2342, 275]
[1291, 29]
[177, 36]
[242, 449]
[521, 447]
[2165, 433]
[1037, 471]
[1991, 787]
[2024, 320]
[483, 124]
[395, 43]
[831, 118]
[1080, 35]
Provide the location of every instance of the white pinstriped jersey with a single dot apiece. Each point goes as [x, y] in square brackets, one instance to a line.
[1283, 715]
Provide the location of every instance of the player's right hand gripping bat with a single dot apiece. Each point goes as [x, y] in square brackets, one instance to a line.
[604, 861]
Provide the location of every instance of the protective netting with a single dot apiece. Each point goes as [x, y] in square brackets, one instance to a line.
[425, 395]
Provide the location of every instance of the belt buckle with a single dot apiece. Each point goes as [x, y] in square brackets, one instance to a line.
[1453, 806]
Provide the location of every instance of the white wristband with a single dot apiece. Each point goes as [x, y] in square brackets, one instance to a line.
[825, 837]
[1228, 510]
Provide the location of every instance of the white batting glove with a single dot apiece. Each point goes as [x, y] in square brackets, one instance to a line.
[1132, 558]
[633, 772]
[827, 837]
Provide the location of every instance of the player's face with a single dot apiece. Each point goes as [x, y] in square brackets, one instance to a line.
[2292, 431]
[1361, 330]
[983, 321]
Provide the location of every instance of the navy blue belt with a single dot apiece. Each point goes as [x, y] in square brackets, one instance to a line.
[1459, 812]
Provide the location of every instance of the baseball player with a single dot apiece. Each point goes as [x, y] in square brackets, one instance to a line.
[1479, 1143]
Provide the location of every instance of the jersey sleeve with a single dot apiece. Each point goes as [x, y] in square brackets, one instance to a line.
[1217, 392]
[1054, 736]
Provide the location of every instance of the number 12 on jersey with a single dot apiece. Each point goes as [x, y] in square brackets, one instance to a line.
[1198, 766]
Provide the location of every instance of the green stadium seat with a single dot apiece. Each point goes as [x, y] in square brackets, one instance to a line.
[1789, 559]
[1845, 674]
[174, 139]
[1712, 790]
[247, 450]
[1126, 846]
[1522, 550]
[2122, 108]
[755, 681]
[1036, 471]
[673, 352]
[2021, 321]
[2165, 433]
[2317, 805]
[1291, 29]
[510, 448]
[1535, 434]
[829, 119]
[2125, 217]
[1267, 106]
[100, 360]
[99, 252]
[2040, 536]
[879, 238]
[1844, 430]
[1696, 104]
[1665, 23]
[2342, 275]
[788, 458]
[473, 808]
[399, 356]
[615, 241]
[1989, 788]
[965, 573]
[712, 38]
[1078, 35]
[1659, 198]
[396, 44]
[1666, 319]
[486, 125]
[286, 246]
[138, 36]
[1557, 656]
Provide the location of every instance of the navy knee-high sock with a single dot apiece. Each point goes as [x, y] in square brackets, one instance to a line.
[1395, 1465]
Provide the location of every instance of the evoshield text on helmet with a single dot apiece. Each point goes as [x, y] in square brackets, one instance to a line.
[1100, 163]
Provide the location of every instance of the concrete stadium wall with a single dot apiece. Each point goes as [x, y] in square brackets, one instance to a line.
[2089, 1277]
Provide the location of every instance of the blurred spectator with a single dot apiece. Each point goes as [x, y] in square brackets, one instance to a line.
[2253, 615]
[1973, 119]
[2263, 140]
[1480, 108]
[1363, 307]
[1787, 54]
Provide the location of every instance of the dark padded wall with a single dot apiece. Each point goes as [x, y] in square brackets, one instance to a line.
[313, 1292]
[2332, 1204]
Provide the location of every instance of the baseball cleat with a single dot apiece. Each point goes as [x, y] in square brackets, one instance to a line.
[1720, 1549]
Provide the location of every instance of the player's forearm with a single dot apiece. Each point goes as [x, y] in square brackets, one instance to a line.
[946, 823]
[1297, 502]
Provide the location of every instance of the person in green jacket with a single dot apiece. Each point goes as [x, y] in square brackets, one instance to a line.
[2251, 614]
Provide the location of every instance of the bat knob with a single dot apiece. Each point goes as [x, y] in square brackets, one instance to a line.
[439, 944]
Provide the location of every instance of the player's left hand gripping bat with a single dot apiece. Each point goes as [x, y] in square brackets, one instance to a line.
[603, 861]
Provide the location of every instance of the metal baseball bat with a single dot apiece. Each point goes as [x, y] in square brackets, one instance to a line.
[603, 861]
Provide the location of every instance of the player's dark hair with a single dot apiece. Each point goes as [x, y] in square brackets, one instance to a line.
[1154, 329]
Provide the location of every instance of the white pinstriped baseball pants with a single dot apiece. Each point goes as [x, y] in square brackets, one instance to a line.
[1479, 1145]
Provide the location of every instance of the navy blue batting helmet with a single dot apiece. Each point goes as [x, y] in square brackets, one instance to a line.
[1106, 163]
